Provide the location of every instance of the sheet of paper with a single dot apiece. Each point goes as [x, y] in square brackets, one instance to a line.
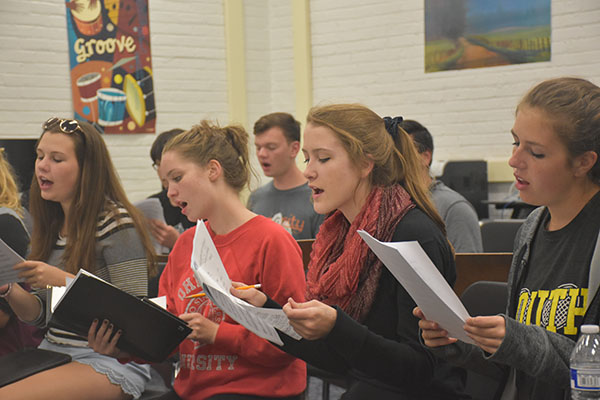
[152, 209]
[277, 318]
[211, 274]
[56, 294]
[243, 314]
[415, 271]
[8, 259]
[206, 262]
[160, 301]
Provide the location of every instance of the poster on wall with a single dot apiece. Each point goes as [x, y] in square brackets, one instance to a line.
[111, 65]
[463, 34]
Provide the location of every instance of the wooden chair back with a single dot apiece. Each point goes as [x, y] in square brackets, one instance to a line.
[473, 267]
[306, 247]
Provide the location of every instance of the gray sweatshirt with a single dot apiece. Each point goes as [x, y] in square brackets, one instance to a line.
[539, 358]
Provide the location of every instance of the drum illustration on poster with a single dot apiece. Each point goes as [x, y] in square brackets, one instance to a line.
[111, 106]
[139, 90]
[87, 16]
[111, 64]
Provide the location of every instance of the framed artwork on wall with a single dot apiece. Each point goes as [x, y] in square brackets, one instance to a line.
[462, 34]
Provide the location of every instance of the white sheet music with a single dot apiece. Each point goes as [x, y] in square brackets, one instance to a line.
[415, 271]
[152, 209]
[211, 274]
[206, 262]
[8, 259]
[57, 292]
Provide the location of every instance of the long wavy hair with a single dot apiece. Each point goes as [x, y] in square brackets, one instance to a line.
[364, 136]
[98, 190]
[9, 192]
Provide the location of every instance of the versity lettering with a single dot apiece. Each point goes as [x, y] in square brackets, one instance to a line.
[208, 362]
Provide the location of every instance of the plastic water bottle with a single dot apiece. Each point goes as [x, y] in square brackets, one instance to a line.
[585, 364]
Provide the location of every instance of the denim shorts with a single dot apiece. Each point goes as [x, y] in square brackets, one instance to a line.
[131, 377]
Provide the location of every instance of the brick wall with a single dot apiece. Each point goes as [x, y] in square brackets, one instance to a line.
[374, 54]
[188, 58]
[366, 52]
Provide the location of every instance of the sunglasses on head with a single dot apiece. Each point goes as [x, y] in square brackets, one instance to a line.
[67, 126]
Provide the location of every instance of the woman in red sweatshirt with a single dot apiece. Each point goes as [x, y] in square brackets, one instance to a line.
[206, 168]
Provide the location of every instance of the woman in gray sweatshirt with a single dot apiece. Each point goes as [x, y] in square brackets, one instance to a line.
[553, 281]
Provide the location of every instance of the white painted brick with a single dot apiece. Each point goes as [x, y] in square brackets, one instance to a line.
[362, 54]
[369, 52]
[188, 55]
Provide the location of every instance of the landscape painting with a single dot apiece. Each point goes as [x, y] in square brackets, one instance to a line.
[463, 34]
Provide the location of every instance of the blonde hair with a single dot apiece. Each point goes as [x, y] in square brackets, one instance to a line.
[364, 136]
[9, 192]
[228, 145]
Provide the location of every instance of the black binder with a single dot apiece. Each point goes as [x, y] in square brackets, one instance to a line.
[149, 331]
[23, 363]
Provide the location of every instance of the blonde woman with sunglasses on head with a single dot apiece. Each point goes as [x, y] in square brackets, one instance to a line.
[82, 219]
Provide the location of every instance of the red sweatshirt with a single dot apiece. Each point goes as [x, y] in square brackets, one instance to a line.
[260, 251]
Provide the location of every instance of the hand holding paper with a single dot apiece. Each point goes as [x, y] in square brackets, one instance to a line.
[254, 297]
[433, 335]
[411, 266]
[211, 274]
[487, 331]
[8, 259]
[312, 320]
[38, 274]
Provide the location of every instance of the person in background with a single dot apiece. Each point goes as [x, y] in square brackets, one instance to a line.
[206, 168]
[286, 199]
[364, 171]
[12, 227]
[14, 334]
[551, 285]
[462, 225]
[166, 234]
[82, 219]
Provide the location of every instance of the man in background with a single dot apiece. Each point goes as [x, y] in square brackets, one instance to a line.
[462, 225]
[287, 198]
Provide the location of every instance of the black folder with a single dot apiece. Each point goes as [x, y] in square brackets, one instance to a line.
[149, 331]
[23, 363]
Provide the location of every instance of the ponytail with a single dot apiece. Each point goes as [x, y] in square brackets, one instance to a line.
[364, 136]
